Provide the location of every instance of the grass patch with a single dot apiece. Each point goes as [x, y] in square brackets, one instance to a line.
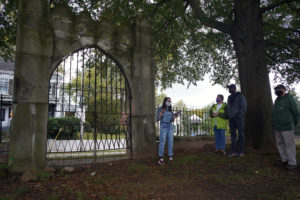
[138, 168]
[226, 179]
[44, 177]
[21, 190]
[54, 196]
[9, 197]
[291, 194]
[201, 175]
[80, 195]
[96, 181]
[187, 159]
[112, 198]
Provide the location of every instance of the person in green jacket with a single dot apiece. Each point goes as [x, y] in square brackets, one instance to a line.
[285, 117]
[220, 123]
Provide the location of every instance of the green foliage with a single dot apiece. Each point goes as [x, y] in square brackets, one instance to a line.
[104, 90]
[159, 98]
[185, 49]
[8, 26]
[282, 33]
[70, 127]
[180, 104]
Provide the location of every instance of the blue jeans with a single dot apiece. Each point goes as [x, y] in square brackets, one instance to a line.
[237, 123]
[219, 139]
[166, 133]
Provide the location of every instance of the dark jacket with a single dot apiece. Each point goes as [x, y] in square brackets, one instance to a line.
[285, 115]
[236, 105]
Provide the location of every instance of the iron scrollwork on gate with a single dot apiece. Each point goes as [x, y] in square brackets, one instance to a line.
[89, 110]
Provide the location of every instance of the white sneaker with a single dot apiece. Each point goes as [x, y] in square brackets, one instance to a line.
[171, 159]
[161, 161]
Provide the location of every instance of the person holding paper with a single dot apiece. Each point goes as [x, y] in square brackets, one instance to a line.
[166, 116]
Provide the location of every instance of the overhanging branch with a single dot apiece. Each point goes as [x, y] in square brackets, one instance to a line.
[225, 28]
[274, 5]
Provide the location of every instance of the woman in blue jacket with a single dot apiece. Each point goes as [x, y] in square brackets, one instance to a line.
[166, 116]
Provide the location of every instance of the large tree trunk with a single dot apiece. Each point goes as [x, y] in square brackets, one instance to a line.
[247, 36]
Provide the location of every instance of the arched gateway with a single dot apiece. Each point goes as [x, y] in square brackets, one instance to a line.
[45, 38]
[89, 110]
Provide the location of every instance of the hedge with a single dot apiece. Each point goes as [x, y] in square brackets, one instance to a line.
[71, 126]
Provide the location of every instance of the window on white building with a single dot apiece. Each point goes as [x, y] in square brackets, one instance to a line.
[4, 84]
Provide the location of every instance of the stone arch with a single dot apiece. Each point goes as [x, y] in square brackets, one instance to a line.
[47, 35]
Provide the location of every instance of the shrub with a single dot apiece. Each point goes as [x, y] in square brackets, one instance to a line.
[71, 126]
[87, 127]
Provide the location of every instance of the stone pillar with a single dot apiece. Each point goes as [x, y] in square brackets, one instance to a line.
[30, 105]
[143, 92]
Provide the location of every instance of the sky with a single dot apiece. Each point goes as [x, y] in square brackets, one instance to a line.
[205, 93]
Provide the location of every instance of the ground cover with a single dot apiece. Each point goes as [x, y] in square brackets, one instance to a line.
[195, 174]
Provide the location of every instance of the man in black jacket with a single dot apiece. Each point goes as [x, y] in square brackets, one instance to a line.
[236, 109]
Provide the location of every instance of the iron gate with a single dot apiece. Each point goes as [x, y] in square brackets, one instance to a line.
[89, 111]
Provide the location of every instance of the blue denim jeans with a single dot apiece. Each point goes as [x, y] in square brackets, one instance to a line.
[237, 123]
[166, 134]
[219, 139]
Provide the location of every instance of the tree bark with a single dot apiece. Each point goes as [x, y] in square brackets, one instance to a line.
[248, 40]
[247, 35]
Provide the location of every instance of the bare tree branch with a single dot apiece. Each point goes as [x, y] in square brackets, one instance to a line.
[206, 20]
[274, 5]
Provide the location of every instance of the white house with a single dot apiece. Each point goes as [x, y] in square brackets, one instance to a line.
[6, 91]
[57, 106]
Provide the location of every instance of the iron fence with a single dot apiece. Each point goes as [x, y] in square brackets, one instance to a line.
[89, 111]
[190, 122]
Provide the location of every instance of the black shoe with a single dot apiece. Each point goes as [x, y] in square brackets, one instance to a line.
[290, 167]
[280, 163]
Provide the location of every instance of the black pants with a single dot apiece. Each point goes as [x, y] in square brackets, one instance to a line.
[237, 123]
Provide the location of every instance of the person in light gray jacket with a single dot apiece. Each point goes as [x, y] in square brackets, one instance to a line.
[236, 109]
